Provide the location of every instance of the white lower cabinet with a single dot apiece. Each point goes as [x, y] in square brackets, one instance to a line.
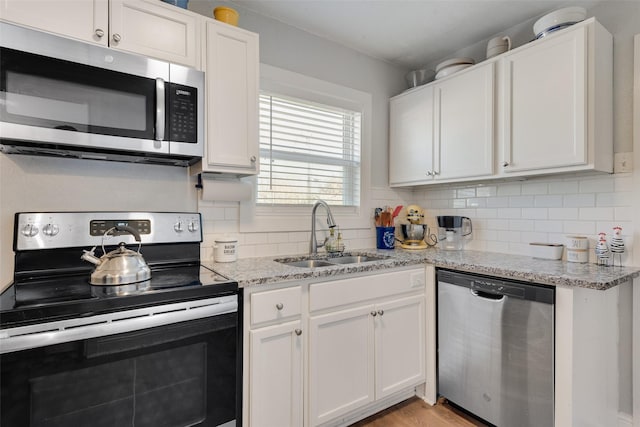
[364, 354]
[274, 368]
[329, 353]
[276, 375]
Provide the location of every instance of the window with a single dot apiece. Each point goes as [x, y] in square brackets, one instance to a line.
[308, 151]
[315, 143]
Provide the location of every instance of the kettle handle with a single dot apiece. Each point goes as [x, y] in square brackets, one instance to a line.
[128, 229]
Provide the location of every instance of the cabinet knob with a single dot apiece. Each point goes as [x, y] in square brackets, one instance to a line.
[99, 33]
[253, 159]
[429, 173]
[436, 173]
[374, 314]
[298, 332]
[279, 306]
[505, 164]
[380, 312]
[117, 37]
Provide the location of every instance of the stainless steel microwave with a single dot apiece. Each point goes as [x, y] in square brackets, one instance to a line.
[69, 98]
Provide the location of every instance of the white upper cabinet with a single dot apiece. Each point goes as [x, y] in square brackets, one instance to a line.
[156, 29]
[545, 107]
[146, 27]
[411, 137]
[444, 130]
[557, 98]
[464, 129]
[84, 20]
[231, 65]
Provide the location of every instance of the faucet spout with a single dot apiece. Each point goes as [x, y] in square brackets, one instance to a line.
[313, 243]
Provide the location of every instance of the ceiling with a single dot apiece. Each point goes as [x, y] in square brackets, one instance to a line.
[408, 33]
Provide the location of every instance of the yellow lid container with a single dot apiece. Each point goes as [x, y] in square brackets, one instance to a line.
[226, 14]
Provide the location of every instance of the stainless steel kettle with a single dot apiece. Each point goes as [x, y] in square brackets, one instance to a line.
[121, 266]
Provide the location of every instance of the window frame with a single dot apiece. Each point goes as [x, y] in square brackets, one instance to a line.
[254, 218]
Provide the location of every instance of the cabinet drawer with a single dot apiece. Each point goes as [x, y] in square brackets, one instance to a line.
[274, 305]
[349, 291]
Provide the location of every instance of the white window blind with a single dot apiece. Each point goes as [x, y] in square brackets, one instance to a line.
[308, 151]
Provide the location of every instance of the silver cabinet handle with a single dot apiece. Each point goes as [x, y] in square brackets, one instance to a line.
[374, 314]
[429, 173]
[380, 312]
[298, 332]
[117, 38]
[279, 306]
[436, 173]
[505, 164]
[253, 159]
[99, 33]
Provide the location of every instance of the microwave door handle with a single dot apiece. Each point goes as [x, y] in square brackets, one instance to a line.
[160, 109]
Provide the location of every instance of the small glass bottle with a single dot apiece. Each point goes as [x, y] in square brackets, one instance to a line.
[330, 243]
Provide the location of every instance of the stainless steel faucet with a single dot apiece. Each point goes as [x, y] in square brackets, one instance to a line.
[313, 244]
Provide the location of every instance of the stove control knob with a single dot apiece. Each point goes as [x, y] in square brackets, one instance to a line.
[178, 227]
[29, 230]
[193, 226]
[50, 229]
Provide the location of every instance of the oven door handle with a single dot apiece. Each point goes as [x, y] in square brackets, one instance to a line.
[47, 334]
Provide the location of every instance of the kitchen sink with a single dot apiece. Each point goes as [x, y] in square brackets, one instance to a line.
[325, 262]
[354, 259]
[307, 263]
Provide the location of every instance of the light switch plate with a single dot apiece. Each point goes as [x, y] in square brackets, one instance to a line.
[623, 162]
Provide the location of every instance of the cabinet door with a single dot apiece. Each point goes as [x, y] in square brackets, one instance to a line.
[341, 362]
[232, 100]
[155, 29]
[464, 126]
[275, 376]
[85, 20]
[411, 137]
[545, 104]
[399, 345]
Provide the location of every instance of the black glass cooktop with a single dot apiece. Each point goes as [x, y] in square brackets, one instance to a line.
[34, 300]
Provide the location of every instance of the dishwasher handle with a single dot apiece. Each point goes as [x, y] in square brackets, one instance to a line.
[487, 295]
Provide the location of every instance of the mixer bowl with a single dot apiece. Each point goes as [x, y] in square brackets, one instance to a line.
[414, 231]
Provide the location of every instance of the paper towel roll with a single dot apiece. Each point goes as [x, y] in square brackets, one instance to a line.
[225, 191]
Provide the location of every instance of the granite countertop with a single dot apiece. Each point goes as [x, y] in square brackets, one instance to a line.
[265, 270]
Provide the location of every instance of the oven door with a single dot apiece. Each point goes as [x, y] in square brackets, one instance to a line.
[173, 374]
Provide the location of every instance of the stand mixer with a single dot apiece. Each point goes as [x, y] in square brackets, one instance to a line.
[413, 234]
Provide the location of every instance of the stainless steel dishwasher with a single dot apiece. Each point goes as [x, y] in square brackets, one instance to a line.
[495, 348]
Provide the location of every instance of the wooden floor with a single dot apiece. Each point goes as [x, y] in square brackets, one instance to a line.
[417, 413]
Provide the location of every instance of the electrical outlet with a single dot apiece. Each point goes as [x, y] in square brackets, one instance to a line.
[623, 162]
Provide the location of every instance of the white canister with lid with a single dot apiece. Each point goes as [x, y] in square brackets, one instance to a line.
[225, 249]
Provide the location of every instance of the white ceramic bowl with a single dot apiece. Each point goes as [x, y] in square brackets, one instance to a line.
[453, 61]
[567, 15]
[451, 69]
[546, 250]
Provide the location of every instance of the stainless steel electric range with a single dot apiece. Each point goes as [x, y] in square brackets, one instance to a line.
[111, 321]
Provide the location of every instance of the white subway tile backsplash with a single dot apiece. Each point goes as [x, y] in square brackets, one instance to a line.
[498, 202]
[459, 203]
[278, 237]
[622, 198]
[521, 225]
[465, 193]
[563, 187]
[509, 236]
[486, 213]
[497, 224]
[596, 214]
[579, 227]
[563, 213]
[599, 185]
[623, 214]
[535, 188]
[623, 183]
[549, 226]
[510, 213]
[488, 191]
[550, 201]
[521, 201]
[535, 213]
[579, 200]
[256, 238]
[533, 237]
[477, 202]
[510, 190]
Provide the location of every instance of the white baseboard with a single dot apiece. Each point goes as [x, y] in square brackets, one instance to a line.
[625, 420]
